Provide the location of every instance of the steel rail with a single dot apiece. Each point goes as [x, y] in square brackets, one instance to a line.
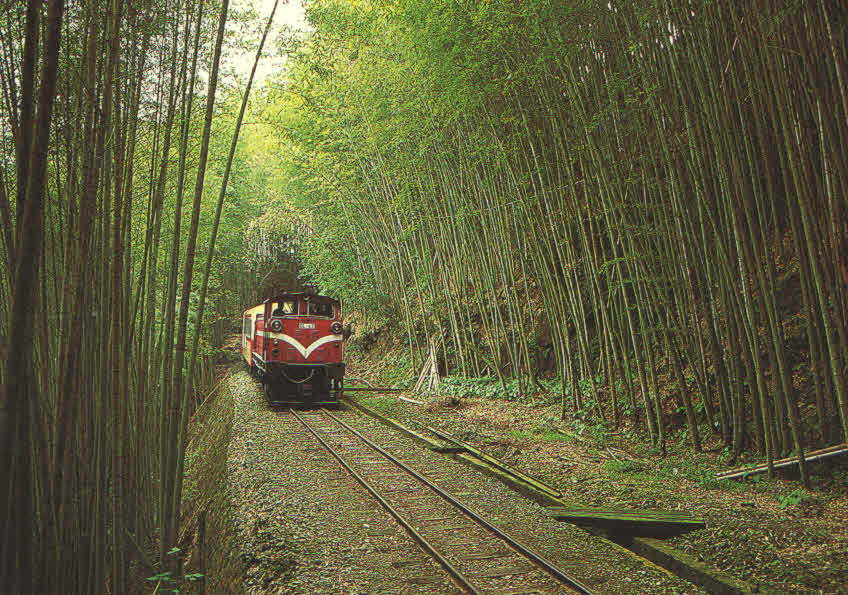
[461, 579]
[525, 551]
[533, 482]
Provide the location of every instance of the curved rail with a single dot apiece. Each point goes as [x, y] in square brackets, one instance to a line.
[528, 553]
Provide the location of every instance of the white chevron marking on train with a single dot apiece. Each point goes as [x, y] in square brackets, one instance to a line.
[301, 349]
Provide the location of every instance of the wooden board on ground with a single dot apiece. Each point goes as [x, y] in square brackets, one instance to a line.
[813, 455]
[656, 523]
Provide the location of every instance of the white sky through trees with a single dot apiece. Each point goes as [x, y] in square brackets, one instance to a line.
[289, 18]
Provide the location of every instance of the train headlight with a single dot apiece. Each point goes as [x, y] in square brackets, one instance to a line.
[276, 325]
[336, 328]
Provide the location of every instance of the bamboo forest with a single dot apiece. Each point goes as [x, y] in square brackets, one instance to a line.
[630, 215]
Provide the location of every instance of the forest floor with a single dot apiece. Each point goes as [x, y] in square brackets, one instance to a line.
[771, 533]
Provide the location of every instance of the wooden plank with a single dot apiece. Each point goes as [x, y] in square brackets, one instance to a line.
[372, 389]
[813, 455]
[630, 522]
[636, 515]
[689, 567]
[679, 515]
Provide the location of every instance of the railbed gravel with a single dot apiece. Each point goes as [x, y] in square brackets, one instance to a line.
[305, 526]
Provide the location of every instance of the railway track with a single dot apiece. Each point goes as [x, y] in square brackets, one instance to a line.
[479, 557]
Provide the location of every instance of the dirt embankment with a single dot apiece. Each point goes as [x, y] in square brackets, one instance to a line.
[208, 537]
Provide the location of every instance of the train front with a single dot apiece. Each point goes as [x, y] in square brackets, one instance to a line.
[302, 349]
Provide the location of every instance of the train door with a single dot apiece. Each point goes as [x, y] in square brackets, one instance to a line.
[259, 337]
[246, 340]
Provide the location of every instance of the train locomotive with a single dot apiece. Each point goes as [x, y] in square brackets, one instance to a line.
[293, 344]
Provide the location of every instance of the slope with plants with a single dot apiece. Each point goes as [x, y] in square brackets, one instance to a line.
[644, 201]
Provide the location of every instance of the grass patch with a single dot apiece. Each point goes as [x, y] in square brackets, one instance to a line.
[711, 483]
[491, 387]
[623, 467]
[537, 435]
[550, 435]
[485, 387]
[384, 404]
[523, 435]
[698, 470]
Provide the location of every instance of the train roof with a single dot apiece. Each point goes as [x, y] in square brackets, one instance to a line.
[303, 294]
[255, 310]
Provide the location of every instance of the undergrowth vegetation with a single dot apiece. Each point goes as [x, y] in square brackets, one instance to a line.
[208, 539]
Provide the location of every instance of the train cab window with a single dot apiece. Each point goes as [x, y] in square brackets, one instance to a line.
[246, 326]
[285, 308]
[319, 309]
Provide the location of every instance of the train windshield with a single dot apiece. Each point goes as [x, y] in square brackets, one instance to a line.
[318, 309]
[285, 308]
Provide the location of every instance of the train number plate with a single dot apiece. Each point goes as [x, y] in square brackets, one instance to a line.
[306, 325]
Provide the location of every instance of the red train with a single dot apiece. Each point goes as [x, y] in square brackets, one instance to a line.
[293, 344]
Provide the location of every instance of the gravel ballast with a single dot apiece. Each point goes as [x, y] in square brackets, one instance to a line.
[306, 527]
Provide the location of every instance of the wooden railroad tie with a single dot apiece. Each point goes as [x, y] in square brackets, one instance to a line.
[813, 455]
[653, 523]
